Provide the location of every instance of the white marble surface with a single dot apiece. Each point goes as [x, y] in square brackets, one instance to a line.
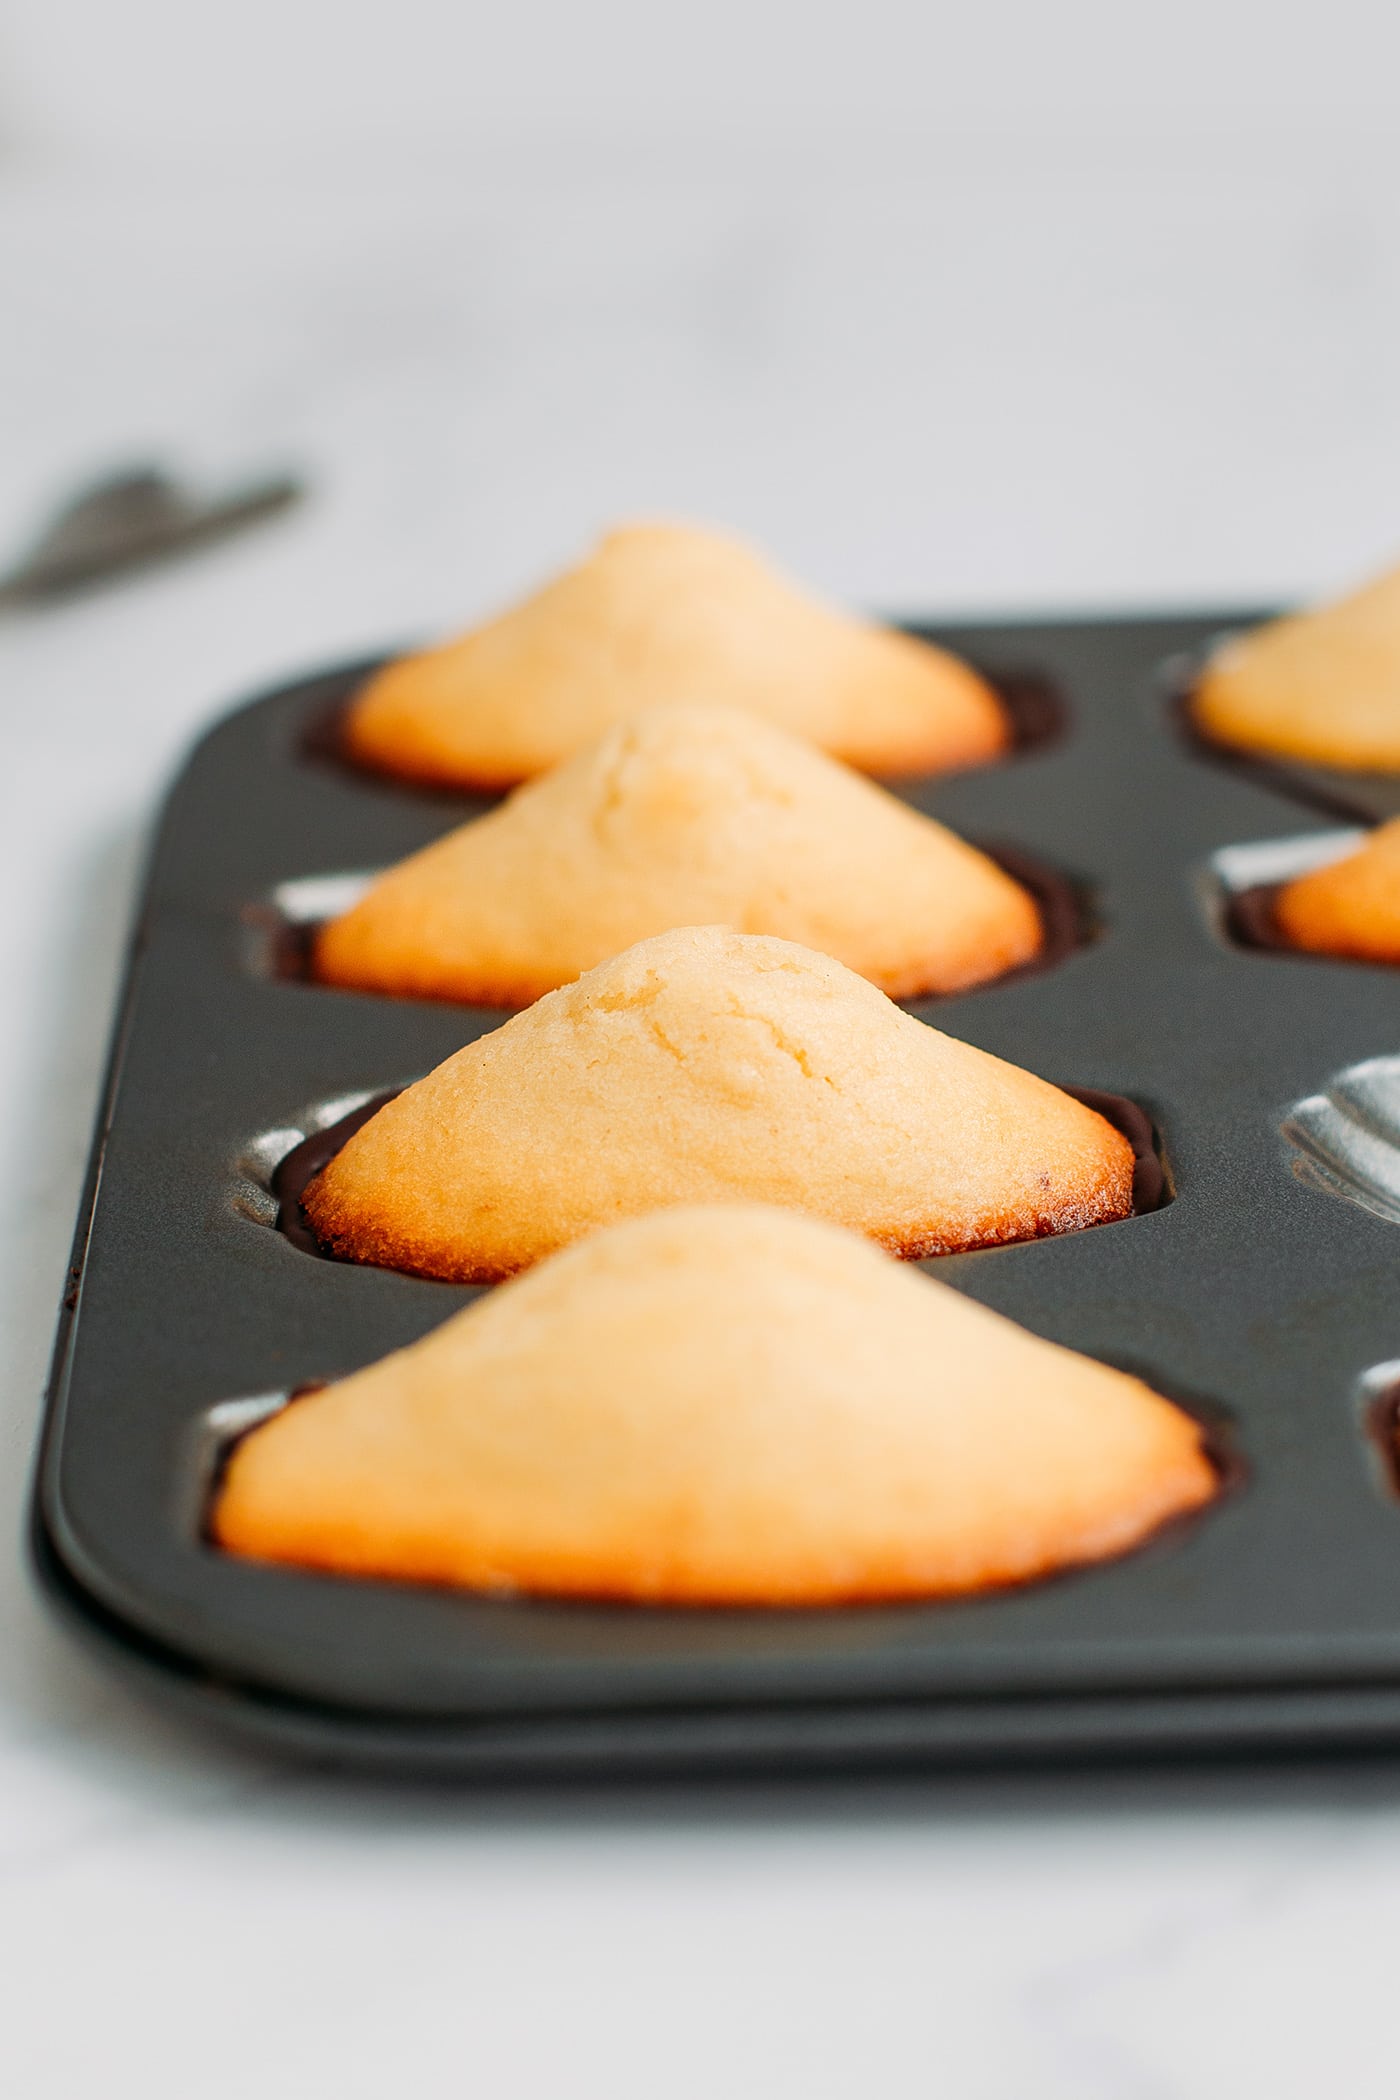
[1039, 375]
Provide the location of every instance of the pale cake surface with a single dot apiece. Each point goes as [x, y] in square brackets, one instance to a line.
[707, 1065]
[1351, 907]
[718, 1406]
[683, 816]
[660, 614]
[1320, 686]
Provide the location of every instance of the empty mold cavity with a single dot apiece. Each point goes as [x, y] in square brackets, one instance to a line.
[1347, 1139]
[1242, 882]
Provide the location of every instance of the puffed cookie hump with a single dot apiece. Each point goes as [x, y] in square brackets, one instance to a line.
[1322, 687]
[683, 816]
[660, 613]
[722, 1406]
[1350, 907]
[706, 1065]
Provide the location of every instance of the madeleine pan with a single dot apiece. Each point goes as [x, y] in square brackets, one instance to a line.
[1260, 1290]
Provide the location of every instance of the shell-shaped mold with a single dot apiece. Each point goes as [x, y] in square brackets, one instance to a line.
[1348, 1138]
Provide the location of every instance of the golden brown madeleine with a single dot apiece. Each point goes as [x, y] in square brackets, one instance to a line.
[718, 1406]
[683, 816]
[704, 1065]
[661, 613]
[1351, 907]
[1319, 686]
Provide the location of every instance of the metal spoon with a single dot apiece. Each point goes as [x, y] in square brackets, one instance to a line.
[129, 519]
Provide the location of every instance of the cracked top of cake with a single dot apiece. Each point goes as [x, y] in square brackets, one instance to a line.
[683, 816]
[705, 1064]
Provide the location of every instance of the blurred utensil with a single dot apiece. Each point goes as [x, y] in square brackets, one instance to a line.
[129, 519]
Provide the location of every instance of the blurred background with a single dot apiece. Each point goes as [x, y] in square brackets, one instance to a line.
[953, 305]
[954, 308]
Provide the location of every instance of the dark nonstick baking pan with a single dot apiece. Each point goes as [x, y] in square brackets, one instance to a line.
[1262, 1292]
